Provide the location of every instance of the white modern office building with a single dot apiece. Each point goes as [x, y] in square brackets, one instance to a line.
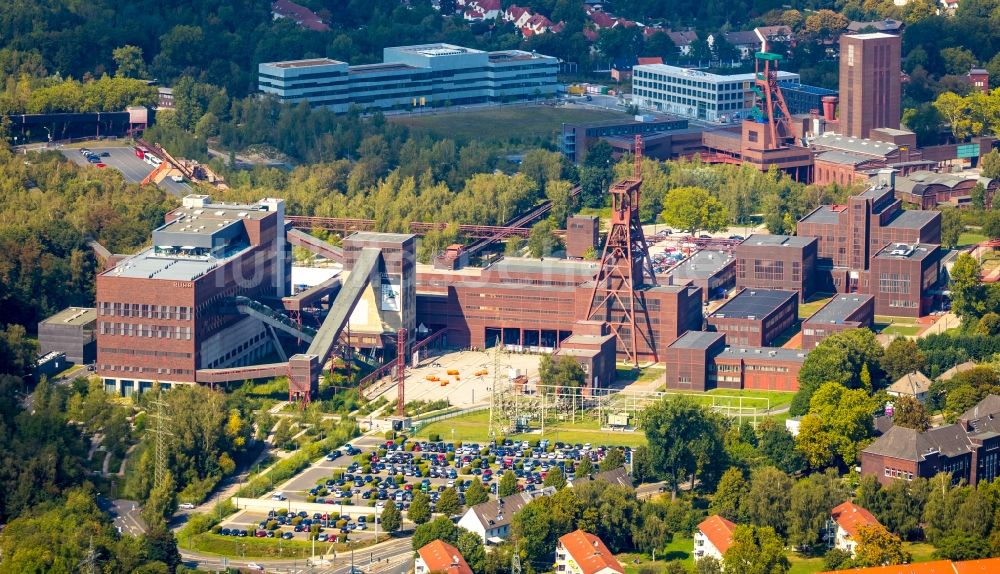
[425, 75]
[696, 94]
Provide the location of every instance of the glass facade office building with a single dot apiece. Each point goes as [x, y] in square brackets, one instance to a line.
[696, 94]
[424, 75]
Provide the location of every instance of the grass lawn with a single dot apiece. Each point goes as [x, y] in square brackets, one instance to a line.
[920, 551]
[260, 547]
[514, 123]
[777, 398]
[970, 238]
[813, 304]
[903, 330]
[475, 427]
[680, 549]
[805, 564]
[625, 373]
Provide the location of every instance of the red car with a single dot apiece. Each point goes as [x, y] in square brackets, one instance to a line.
[260, 533]
[100, 165]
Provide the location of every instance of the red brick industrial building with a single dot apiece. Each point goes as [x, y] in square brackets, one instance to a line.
[873, 246]
[755, 317]
[160, 313]
[533, 305]
[777, 262]
[841, 313]
[701, 361]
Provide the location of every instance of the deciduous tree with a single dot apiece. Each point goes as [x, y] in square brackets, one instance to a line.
[755, 550]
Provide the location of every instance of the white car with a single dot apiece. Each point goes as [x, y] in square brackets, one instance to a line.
[186, 505]
[177, 178]
[255, 566]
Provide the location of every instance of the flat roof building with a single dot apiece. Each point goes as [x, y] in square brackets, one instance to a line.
[777, 262]
[841, 313]
[70, 331]
[850, 237]
[696, 94]
[713, 271]
[162, 314]
[804, 99]
[755, 317]
[578, 138]
[701, 361]
[412, 76]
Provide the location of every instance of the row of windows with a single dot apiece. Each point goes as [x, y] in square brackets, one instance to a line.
[767, 369]
[896, 473]
[148, 331]
[145, 352]
[744, 85]
[116, 309]
[233, 353]
[688, 101]
[134, 369]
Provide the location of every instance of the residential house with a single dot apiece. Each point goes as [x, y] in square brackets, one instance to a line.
[683, 40]
[439, 556]
[984, 566]
[959, 368]
[302, 16]
[478, 10]
[950, 5]
[601, 20]
[886, 26]
[969, 450]
[491, 519]
[845, 521]
[535, 25]
[580, 552]
[517, 15]
[746, 42]
[713, 538]
[915, 384]
[768, 35]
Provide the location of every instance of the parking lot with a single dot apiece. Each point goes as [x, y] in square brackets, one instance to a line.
[123, 159]
[372, 472]
[467, 387]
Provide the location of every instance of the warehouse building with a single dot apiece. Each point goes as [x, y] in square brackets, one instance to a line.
[413, 76]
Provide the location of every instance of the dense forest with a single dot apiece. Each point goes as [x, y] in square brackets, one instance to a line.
[49, 207]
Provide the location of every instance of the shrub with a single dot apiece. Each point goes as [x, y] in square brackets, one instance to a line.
[434, 437]
[341, 523]
[282, 512]
[296, 521]
[390, 434]
[271, 525]
[216, 529]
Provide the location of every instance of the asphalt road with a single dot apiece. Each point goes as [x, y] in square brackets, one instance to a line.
[133, 169]
[126, 517]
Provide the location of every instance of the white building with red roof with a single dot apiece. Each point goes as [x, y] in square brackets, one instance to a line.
[713, 538]
[439, 556]
[482, 10]
[516, 15]
[580, 552]
[845, 521]
[301, 15]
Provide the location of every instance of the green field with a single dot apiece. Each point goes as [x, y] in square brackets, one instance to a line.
[626, 374]
[970, 238]
[680, 549]
[514, 123]
[813, 304]
[475, 427]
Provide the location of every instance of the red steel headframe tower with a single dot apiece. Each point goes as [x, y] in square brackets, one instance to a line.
[766, 88]
[624, 266]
